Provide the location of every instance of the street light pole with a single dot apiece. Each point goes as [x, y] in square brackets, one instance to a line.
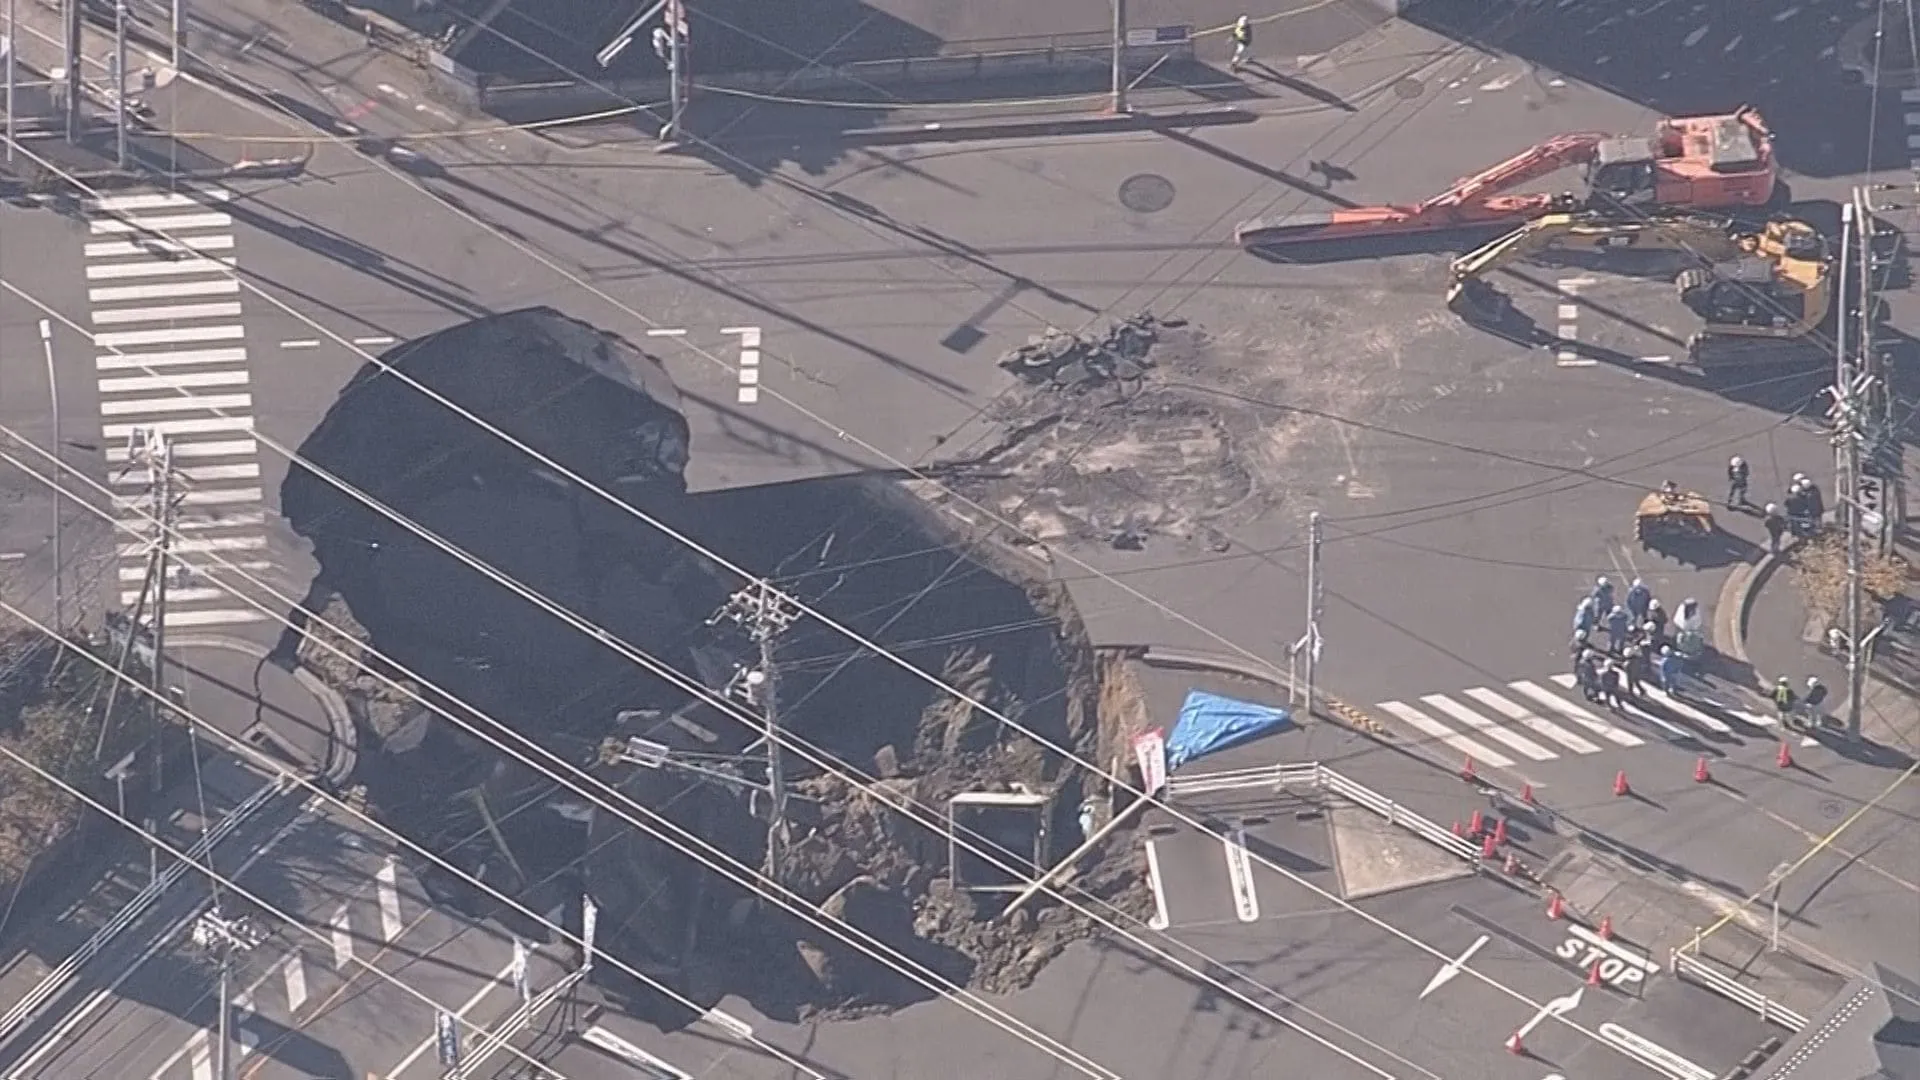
[59, 455]
[120, 81]
[75, 90]
[676, 75]
[179, 33]
[1119, 57]
[1315, 590]
[13, 24]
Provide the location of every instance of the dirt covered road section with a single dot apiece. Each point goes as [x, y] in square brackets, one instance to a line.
[874, 755]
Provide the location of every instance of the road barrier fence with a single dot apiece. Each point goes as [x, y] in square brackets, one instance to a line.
[1314, 775]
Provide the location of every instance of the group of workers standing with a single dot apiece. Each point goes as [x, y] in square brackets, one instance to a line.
[1620, 645]
[1799, 512]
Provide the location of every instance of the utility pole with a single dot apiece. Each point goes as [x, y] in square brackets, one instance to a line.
[120, 82]
[765, 613]
[676, 69]
[13, 31]
[224, 938]
[59, 455]
[1309, 644]
[1849, 387]
[1120, 57]
[179, 34]
[74, 64]
[151, 449]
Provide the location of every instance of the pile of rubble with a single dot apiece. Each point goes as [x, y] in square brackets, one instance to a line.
[1068, 360]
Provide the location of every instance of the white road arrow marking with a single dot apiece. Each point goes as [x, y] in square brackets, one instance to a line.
[1559, 1006]
[1451, 968]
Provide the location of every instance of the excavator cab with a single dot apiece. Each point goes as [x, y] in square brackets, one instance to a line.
[1624, 171]
[1765, 306]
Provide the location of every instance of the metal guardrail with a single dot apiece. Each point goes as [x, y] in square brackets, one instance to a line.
[1424, 828]
[1686, 967]
[59, 977]
[1275, 777]
[1261, 776]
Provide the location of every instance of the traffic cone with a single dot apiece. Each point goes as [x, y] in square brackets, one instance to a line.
[1556, 908]
[1620, 787]
[1457, 830]
[1500, 832]
[1477, 825]
[1526, 794]
[1593, 974]
[1700, 773]
[1606, 928]
[1512, 865]
[1785, 758]
[1514, 1046]
[1467, 772]
[1486, 848]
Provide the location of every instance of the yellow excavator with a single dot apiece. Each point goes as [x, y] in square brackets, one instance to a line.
[1762, 295]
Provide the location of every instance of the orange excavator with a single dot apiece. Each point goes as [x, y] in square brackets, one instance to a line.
[1688, 163]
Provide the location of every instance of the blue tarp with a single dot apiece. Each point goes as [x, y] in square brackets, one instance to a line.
[1209, 722]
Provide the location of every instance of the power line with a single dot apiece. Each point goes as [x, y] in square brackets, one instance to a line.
[608, 639]
[186, 858]
[544, 761]
[929, 819]
[933, 680]
[985, 709]
[321, 793]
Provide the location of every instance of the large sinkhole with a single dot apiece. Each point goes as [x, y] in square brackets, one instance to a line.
[859, 550]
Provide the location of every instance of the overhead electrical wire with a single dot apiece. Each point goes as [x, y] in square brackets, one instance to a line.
[1003, 858]
[836, 627]
[217, 880]
[321, 793]
[606, 638]
[1118, 782]
[670, 832]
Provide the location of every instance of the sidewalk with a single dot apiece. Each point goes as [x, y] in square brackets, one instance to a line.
[152, 150]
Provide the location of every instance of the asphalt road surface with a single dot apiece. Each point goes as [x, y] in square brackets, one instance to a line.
[319, 995]
[1472, 487]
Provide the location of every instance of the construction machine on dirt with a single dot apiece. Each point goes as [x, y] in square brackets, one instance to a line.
[1762, 295]
[1688, 163]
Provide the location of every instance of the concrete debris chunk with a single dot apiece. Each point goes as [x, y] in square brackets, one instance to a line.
[1068, 360]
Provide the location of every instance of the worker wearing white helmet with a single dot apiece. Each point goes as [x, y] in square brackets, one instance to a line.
[1738, 474]
[1242, 41]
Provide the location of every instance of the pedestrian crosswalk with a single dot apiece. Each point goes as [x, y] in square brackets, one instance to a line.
[170, 358]
[291, 981]
[1910, 105]
[1527, 721]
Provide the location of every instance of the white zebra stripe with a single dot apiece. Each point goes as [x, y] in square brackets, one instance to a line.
[1434, 729]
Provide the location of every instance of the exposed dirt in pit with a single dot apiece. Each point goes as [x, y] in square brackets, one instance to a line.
[861, 551]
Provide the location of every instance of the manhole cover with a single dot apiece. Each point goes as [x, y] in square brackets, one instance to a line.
[1830, 809]
[1409, 88]
[1146, 193]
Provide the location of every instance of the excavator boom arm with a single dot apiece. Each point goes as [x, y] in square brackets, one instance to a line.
[1536, 161]
[1705, 237]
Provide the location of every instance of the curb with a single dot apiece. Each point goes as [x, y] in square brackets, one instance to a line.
[1855, 49]
[342, 746]
[1342, 713]
[78, 184]
[938, 131]
[1735, 608]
